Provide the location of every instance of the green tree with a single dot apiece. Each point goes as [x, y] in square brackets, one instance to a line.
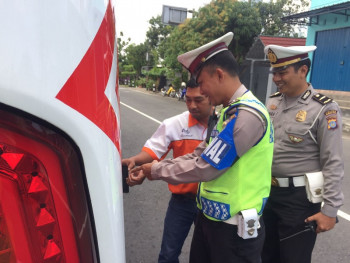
[157, 32]
[128, 72]
[271, 14]
[246, 20]
[121, 45]
[155, 38]
[211, 22]
[136, 56]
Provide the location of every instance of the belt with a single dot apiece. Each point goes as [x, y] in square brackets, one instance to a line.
[233, 220]
[184, 196]
[296, 181]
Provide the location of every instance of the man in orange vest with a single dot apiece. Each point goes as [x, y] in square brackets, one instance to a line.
[182, 134]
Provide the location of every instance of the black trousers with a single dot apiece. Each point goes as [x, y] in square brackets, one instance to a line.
[218, 242]
[284, 216]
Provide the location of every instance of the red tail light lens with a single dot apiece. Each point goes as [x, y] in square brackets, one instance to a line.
[44, 204]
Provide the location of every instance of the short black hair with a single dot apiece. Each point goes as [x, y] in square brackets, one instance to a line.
[224, 60]
[298, 65]
[192, 83]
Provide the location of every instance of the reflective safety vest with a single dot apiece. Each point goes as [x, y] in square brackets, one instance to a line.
[246, 184]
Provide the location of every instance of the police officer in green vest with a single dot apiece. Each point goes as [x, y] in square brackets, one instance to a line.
[307, 165]
[233, 166]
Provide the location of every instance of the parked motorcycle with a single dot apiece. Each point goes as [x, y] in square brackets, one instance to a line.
[170, 92]
[163, 91]
[180, 95]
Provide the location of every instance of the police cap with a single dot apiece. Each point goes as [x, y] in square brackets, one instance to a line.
[281, 57]
[194, 60]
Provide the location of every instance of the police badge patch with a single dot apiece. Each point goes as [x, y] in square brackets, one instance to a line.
[332, 123]
[271, 56]
[301, 116]
[330, 112]
[306, 95]
[295, 139]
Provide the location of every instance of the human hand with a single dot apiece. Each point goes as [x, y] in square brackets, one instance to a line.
[144, 170]
[324, 223]
[135, 178]
[129, 162]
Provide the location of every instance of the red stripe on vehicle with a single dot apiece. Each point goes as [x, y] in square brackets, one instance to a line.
[84, 91]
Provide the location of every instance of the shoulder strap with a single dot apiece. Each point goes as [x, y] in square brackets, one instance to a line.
[213, 119]
[320, 98]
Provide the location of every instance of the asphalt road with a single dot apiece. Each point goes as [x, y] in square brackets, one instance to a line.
[145, 205]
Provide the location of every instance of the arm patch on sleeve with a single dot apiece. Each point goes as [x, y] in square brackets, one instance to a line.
[221, 152]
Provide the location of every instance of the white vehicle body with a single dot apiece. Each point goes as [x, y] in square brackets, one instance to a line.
[58, 73]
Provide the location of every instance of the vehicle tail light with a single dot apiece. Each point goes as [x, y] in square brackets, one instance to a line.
[44, 203]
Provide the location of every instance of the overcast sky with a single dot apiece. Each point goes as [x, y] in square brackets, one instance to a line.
[133, 15]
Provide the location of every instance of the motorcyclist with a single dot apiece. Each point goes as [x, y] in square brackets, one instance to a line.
[183, 90]
[171, 88]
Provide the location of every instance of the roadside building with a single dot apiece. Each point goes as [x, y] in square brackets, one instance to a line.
[328, 24]
[256, 67]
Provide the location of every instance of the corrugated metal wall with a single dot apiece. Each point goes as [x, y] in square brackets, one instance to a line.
[331, 62]
[256, 78]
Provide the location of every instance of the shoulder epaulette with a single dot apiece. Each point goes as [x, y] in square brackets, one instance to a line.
[277, 94]
[322, 98]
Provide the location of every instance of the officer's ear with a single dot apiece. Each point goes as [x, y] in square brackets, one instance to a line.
[304, 70]
[220, 74]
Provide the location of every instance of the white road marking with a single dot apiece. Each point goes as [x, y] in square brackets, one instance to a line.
[143, 114]
[344, 215]
[135, 90]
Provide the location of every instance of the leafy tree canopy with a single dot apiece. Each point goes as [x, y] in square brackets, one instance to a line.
[246, 20]
[138, 56]
[157, 32]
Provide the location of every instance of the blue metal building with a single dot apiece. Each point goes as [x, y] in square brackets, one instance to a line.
[329, 29]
